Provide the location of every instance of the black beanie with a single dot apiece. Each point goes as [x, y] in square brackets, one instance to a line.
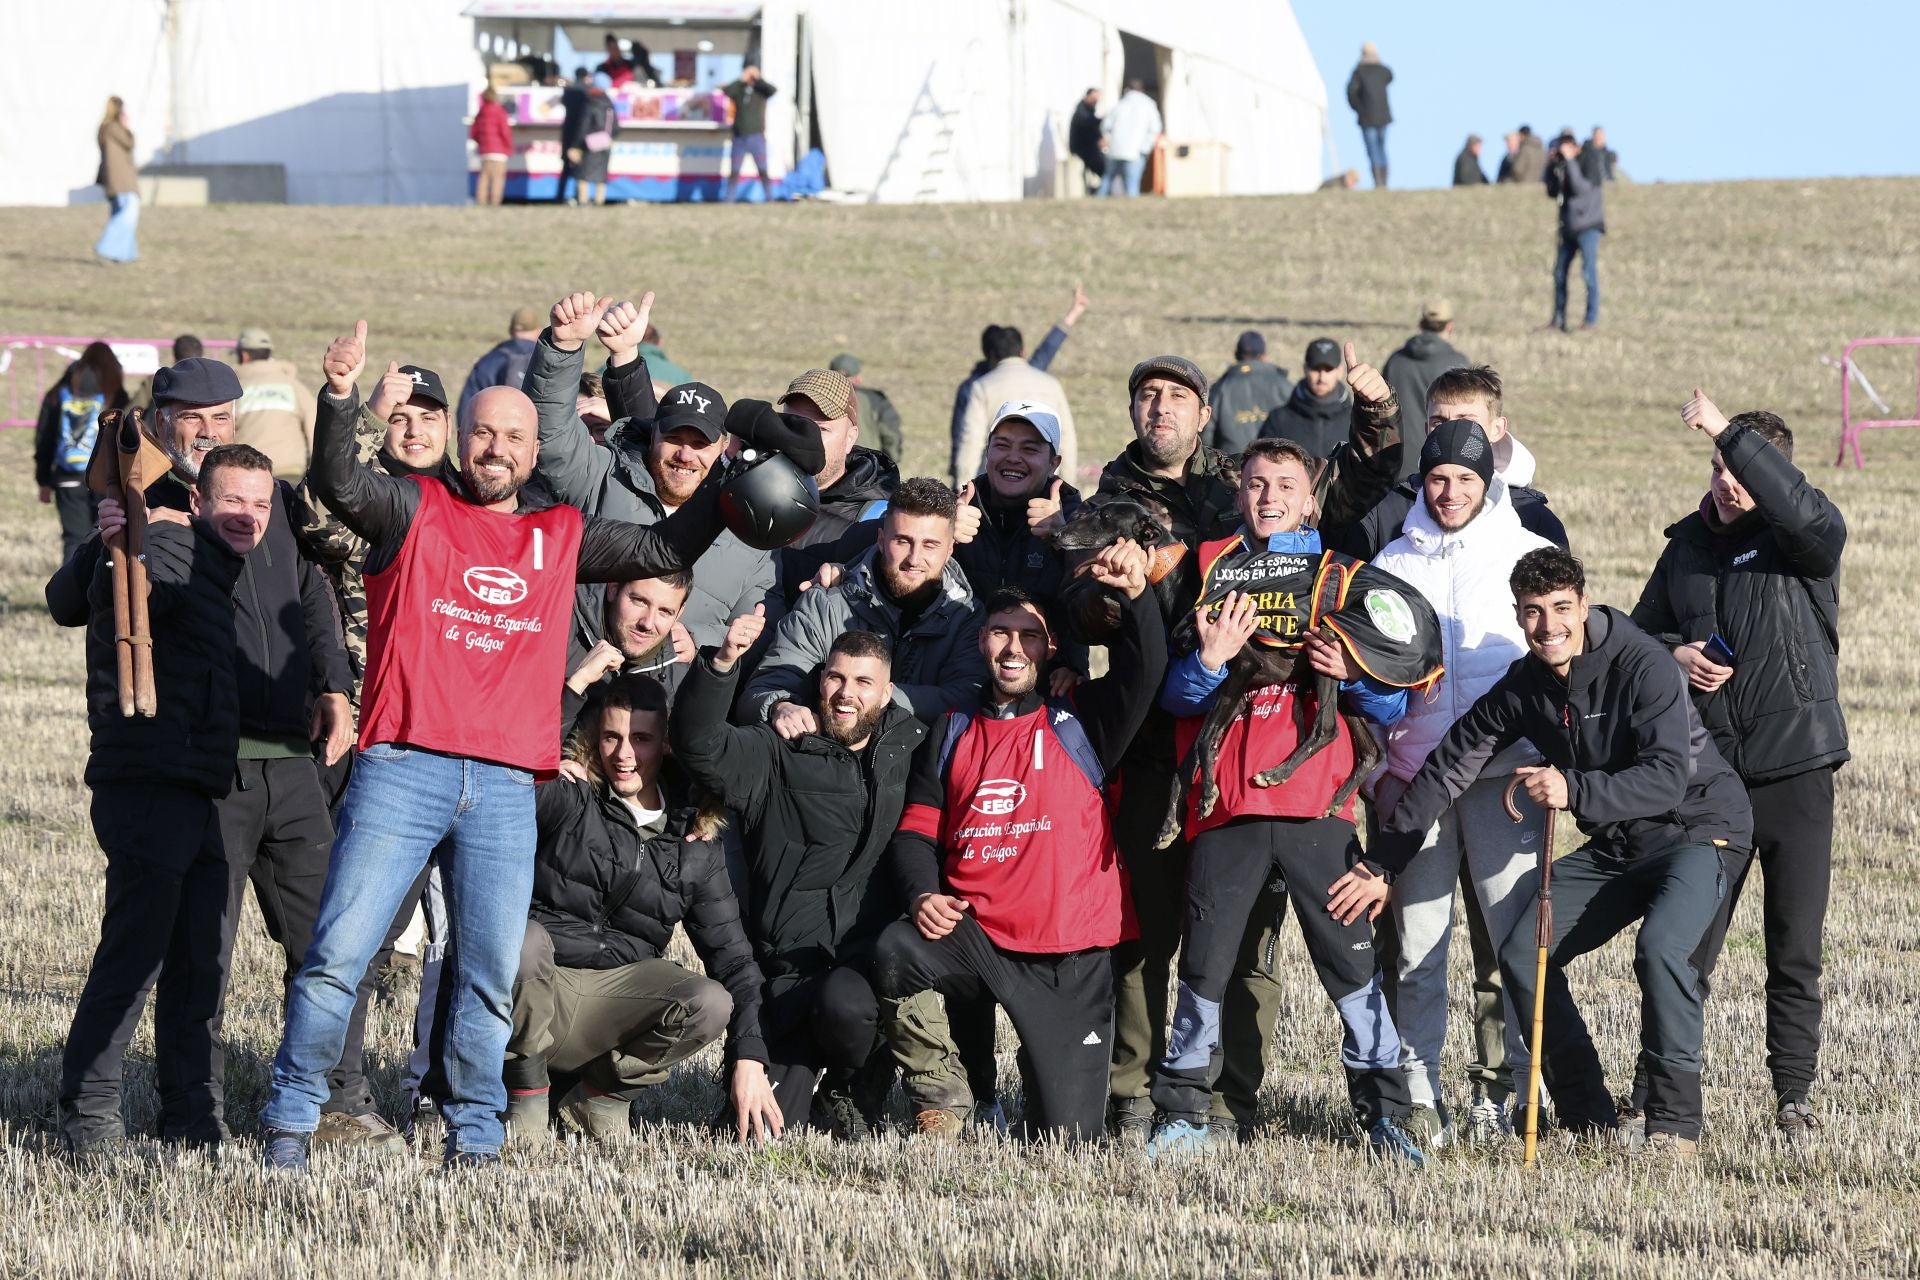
[1459, 442]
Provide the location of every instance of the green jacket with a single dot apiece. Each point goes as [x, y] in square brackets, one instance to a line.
[878, 415]
[662, 370]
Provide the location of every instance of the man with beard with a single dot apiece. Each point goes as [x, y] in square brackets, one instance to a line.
[642, 635]
[466, 653]
[817, 809]
[907, 590]
[1006, 858]
[1316, 412]
[855, 485]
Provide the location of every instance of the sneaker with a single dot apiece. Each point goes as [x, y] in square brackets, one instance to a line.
[1630, 1129]
[529, 1119]
[1387, 1140]
[601, 1117]
[286, 1150]
[1489, 1123]
[990, 1117]
[1130, 1121]
[843, 1116]
[459, 1161]
[1179, 1138]
[1429, 1125]
[362, 1133]
[1670, 1147]
[937, 1122]
[422, 1124]
[96, 1147]
[1797, 1126]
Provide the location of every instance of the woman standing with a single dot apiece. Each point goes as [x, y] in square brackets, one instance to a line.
[492, 134]
[121, 178]
[599, 124]
[63, 441]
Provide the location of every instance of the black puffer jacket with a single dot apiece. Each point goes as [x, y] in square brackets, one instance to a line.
[846, 526]
[1364, 539]
[608, 896]
[193, 739]
[1006, 554]
[1769, 583]
[816, 819]
[1317, 424]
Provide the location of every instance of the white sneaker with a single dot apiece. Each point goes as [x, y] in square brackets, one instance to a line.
[1488, 1122]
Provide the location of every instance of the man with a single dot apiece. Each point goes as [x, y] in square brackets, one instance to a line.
[1423, 357]
[661, 368]
[1583, 220]
[275, 413]
[573, 119]
[1461, 541]
[1596, 159]
[154, 781]
[641, 635]
[1130, 131]
[1010, 376]
[1167, 467]
[855, 485]
[1628, 757]
[616, 67]
[1084, 140]
[1367, 95]
[1006, 858]
[905, 589]
[1526, 159]
[1466, 166]
[466, 657]
[654, 458]
[1317, 414]
[992, 341]
[817, 810]
[749, 96]
[1010, 511]
[506, 364]
[1474, 393]
[1245, 395]
[623, 857]
[875, 409]
[1289, 829]
[1757, 570]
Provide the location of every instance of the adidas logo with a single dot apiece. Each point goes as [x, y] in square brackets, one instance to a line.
[1093, 1037]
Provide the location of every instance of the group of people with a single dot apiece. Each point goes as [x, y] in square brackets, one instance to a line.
[886, 780]
[1113, 149]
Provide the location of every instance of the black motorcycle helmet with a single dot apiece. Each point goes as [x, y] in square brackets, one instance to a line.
[768, 501]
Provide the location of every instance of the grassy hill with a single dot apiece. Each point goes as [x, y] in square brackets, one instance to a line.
[1737, 288]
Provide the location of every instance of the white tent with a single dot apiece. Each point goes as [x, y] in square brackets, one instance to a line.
[362, 100]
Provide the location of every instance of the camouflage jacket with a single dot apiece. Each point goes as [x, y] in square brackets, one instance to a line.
[340, 552]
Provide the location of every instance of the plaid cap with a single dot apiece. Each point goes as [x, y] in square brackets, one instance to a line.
[1177, 368]
[829, 391]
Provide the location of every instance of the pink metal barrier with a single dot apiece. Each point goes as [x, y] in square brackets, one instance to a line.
[1850, 426]
[29, 363]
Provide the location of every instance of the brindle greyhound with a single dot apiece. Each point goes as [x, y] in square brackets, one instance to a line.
[1100, 524]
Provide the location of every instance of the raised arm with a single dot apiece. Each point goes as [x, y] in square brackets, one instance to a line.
[371, 503]
[736, 764]
[1366, 465]
[570, 464]
[1806, 524]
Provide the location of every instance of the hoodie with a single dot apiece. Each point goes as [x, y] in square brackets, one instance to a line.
[1316, 423]
[1412, 369]
[1512, 463]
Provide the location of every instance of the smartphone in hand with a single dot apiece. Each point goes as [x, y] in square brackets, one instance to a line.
[1718, 649]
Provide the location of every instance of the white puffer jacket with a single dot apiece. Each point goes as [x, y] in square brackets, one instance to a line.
[1464, 576]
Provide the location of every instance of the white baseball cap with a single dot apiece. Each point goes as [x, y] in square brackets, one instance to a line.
[1036, 415]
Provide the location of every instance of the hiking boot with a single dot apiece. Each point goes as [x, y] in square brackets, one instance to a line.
[367, 1133]
[97, 1146]
[840, 1110]
[1179, 1138]
[460, 1161]
[990, 1117]
[602, 1117]
[1130, 1120]
[286, 1151]
[937, 1122]
[1387, 1140]
[1429, 1125]
[1797, 1126]
[529, 1119]
[1489, 1123]
[1630, 1128]
[1670, 1147]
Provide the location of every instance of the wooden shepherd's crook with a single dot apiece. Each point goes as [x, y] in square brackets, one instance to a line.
[1543, 941]
[124, 463]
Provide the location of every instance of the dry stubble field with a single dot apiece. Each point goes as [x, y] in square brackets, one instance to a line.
[1737, 288]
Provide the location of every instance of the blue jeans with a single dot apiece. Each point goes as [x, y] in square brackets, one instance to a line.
[1588, 243]
[1124, 171]
[116, 242]
[400, 804]
[1375, 137]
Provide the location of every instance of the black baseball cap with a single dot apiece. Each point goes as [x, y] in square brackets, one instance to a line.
[426, 384]
[197, 380]
[692, 404]
[1324, 353]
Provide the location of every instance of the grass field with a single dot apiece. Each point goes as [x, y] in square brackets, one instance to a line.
[1735, 288]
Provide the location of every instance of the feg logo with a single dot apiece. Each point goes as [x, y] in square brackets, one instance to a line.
[491, 584]
[998, 797]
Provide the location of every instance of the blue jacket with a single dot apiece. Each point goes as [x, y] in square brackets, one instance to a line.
[1191, 684]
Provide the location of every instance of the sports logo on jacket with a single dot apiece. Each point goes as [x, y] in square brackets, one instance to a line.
[491, 584]
[1390, 613]
[997, 797]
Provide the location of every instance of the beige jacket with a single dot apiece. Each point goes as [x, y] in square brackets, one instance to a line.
[118, 173]
[1011, 379]
[275, 415]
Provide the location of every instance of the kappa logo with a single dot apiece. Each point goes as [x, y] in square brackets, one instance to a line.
[688, 396]
[997, 797]
[492, 584]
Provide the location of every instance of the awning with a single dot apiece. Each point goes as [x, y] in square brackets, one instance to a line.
[565, 12]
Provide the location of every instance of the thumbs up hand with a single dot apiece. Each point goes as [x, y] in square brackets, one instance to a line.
[966, 516]
[1703, 415]
[344, 360]
[1043, 514]
[1366, 381]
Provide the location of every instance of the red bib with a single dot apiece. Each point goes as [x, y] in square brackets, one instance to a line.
[1260, 737]
[467, 633]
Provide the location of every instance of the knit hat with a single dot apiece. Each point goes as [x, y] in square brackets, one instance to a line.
[1458, 442]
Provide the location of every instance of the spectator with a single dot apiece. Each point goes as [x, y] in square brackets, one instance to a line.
[593, 154]
[1466, 166]
[617, 69]
[1316, 415]
[1342, 181]
[506, 364]
[1245, 395]
[275, 413]
[1367, 95]
[1526, 159]
[119, 177]
[665, 371]
[1041, 359]
[64, 436]
[749, 96]
[855, 485]
[875, 409]
[1422, 358]
[186, 347]
[573, 113]
[1583, 220]
[1084, 140]
[1130, 131]
[492, 134]
[1009, 376]
[1596, 159]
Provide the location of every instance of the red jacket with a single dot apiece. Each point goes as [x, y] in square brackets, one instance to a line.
[492, 131]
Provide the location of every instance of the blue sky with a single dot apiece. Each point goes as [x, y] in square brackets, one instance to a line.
[1689, 91]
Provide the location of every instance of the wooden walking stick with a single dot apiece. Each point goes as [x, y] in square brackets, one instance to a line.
[1542, 941]
[124, 463]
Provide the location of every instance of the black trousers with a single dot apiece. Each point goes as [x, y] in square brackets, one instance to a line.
[1229, 866]
[1060, 1005]
[1793, 843]
[828, 1021]
[77, 506]
[161, 930]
